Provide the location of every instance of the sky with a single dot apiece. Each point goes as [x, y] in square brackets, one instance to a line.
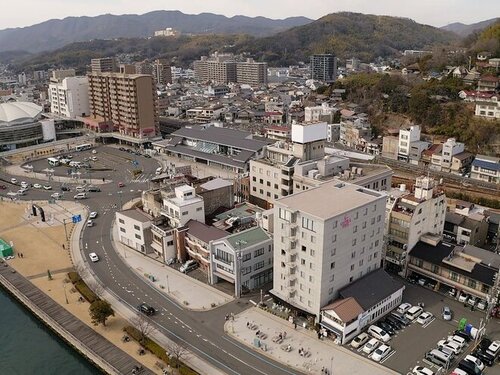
[19, 13]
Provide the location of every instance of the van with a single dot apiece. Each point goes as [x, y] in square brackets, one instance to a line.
[94, 189]
[458, 340]
[188, 266]
[81, 196]
[159, 170]
[400, 318]
[414, 313]
[469, 367]
[494, 349]
[379, 333]
[438, 358]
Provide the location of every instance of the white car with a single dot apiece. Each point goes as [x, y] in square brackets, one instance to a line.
[381, 352]
[47, 187]
[359, 340]
[481, 305]
[22, 191]
[404, 307]
[425, 318]
[472, 301]
[93, 257]
[13, 181]
[24, 185]
[37, 186]
[90, 223]
[370, 346]
[446, 313]
[463, 297]
[449, 347]
[93, 215]
[93, 158]
[56, 195]
[94, 151]
[476, 361]
[420, 370]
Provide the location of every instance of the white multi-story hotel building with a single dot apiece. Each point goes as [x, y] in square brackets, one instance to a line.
[325, 238]
[69, 97]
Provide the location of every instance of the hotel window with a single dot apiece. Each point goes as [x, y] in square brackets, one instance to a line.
[308, 224]
[472, 283]
[333, 252]
[332, 265]
[335, 224]
[454, 276]
[246, 257]
[121, 221]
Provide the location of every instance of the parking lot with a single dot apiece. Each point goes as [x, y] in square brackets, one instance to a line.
[410, 344]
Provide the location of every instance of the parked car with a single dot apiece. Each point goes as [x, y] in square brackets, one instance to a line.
[414, 313]
[65, 188]
[13, 181]
[81, 196]
[487, 359]
[494, 348]
[475, 360]
[381, 352]
[90, 223]
[449, 347]
[378, 333]
[56, 195]
[458, 340]
[93, 257]
[24, 185]
[37, 186]
[446, 313]
[386, 327]
[93, 215]
[420, 370]
[462, 334]
[393, 322]
[146, 309]
[188, 266]
[47, 187]
[359, 340]
[370, 346]
[485, 343]
[400, 318]
[463, 297]
[425, 318]
[121, 184]
[94, 151]
[403, 308]
[482, 304]
[422, 281]
[472, 301]
[469, 367]
[22, 191]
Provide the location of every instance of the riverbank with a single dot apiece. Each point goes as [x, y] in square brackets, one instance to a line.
[41, 245]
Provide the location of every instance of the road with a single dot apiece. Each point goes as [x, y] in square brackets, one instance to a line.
[200, 332]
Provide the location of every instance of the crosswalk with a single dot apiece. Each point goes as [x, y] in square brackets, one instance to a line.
[143, 177]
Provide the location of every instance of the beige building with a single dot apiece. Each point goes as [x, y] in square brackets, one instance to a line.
[162, 72]
[124, 103]
[103, 65]
[325, 238]
[251, 72]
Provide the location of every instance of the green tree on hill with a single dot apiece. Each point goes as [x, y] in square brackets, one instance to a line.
[100, 311]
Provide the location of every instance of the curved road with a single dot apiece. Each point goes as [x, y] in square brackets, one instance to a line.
[200, 332]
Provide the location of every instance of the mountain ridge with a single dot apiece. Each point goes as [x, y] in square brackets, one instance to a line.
[464, 30]
[56, 33]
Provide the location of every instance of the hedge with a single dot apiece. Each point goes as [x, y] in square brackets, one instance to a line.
[157, 350]
[80, 285]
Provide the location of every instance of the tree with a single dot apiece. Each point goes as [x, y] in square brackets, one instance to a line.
[100, 311]
[177, 353]
[143, 325]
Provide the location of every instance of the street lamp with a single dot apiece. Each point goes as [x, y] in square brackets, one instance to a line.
[65, 295]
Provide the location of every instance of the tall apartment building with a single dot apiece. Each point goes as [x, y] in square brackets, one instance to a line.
[123, 102]
[450, 148]
[162, 72]
[251, 72]
[69, 96]
[143, 67]
[411, 216]
[406, 137]
[324, 239]
[323, 67]
[223, 68]
[218, 68]
[103, 65]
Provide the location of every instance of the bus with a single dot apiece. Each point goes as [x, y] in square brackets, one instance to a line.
[54, 162]
[86, 146]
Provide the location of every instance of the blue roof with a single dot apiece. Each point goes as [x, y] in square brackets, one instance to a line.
[486, 165]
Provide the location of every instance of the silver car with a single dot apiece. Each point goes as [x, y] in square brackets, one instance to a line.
[446, 313]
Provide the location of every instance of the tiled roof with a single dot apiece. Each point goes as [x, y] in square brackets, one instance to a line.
[346, 309]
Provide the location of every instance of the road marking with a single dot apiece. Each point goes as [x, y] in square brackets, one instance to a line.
[389, 356]
[427, 324]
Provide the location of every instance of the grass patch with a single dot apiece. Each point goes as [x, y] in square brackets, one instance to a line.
[74, 277]
[158, 351]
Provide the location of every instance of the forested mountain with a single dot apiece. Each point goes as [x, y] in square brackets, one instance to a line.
[56, 33]
[464, 30]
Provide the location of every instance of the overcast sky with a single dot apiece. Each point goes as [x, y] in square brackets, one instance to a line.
[18, 13]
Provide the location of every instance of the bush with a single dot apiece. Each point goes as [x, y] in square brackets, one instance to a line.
[85, 291]
[74, 277]
[157, 350]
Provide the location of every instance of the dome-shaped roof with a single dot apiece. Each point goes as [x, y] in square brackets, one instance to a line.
[15, 111]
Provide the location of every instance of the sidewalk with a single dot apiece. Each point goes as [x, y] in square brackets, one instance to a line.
[187, 291]
[323, 353]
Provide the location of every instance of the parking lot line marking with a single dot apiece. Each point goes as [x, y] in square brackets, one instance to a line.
[389, 356]
[427, 324]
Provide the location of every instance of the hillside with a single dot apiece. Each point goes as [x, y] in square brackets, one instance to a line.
[464, 30]
[347, 35]
[486, 40]
[55, 33]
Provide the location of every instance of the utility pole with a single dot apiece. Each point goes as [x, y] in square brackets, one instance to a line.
[65, 230]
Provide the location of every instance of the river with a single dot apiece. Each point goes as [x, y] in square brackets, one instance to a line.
[28, 347]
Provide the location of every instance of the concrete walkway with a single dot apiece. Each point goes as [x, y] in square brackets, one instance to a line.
[192, 294]
[323, 353]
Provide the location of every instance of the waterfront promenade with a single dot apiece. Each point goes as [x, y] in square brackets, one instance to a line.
[88, 342]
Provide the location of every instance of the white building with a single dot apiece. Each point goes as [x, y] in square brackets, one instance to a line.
[70, 97]
[486, 168]
[134, 229]
[185, 205]
[244, 259]
[488, 107]
[324, 239]
[450, 148]
[406, 137]
[318, 113]
[411, 216]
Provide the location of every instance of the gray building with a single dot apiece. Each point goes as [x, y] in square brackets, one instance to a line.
[324, 67]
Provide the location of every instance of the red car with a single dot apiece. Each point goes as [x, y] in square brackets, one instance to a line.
[121, 184]
[3, 187]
